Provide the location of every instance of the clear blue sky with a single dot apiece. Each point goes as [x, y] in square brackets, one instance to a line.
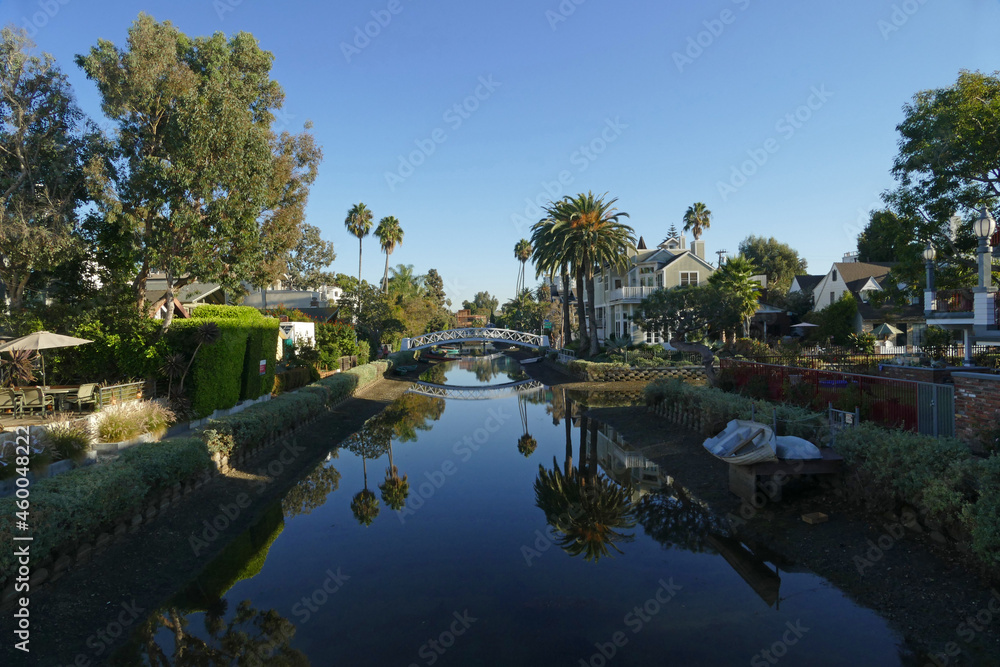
[663, 132]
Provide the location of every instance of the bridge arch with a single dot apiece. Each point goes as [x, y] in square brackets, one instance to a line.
[474, 335]
[475, 393]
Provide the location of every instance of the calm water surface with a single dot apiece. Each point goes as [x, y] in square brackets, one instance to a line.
[595, 558]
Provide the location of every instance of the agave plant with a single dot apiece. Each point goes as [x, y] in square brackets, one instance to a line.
[19, 369]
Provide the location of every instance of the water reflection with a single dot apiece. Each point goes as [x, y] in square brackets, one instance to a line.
[475, 371]
[250, 635]
[312, 491]
[586, 510]
[526, 444]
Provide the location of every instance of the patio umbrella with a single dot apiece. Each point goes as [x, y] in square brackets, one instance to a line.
[885, 330]
[804, 324]
[42, 340]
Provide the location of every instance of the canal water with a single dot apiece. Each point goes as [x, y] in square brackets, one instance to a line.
[477, 528]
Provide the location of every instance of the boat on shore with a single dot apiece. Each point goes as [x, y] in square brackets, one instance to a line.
[743, 442]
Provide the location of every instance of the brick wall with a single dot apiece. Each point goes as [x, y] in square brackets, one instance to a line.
[918, 373]
[977, 405]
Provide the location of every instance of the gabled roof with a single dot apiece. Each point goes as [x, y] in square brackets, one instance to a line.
[852, 272]
[642, 244]
[808, 283]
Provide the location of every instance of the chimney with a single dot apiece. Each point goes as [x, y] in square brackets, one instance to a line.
[698, 248]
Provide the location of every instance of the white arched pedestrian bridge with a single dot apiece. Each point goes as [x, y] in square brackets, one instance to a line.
[475, 393]
[474, 335]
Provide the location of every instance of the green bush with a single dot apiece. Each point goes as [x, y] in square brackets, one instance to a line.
[364, 351]
[69, 439]
[591, 371]
[291, 379]
[125, 421]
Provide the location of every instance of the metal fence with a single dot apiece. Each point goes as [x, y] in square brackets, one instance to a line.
[119, 393]
[921, 407]
[846, 360]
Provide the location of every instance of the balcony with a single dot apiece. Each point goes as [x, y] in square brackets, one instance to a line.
[955, 301]
[630, 294]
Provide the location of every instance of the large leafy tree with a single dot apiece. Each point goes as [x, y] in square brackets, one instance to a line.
[697, 219]
[44, 142]
[202, 189]
[885, 238]
[308, 260]
[359, 224]
[389, 235]
[778, 261]
[483, 303]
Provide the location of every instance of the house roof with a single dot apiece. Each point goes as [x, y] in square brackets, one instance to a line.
[642, 244]
[856, 274]
[808, 283]
[156, 287]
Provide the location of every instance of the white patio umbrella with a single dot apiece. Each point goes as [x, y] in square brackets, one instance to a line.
[42, 340]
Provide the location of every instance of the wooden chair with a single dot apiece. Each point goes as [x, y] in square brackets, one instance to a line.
[85, 395]
[10, 399]
[34, 399]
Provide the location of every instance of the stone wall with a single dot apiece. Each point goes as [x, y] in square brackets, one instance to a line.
[977, 405]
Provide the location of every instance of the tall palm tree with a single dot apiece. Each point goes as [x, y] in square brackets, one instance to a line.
[550, 256]
[596, 239]
[389, 235]
[522, 252]
[359, 223]
[697, 219]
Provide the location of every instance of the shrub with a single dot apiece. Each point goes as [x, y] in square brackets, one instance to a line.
[290, 380]
[364, 351]
[591, 371]
[161, 464]
[125, 421]
[68, 439]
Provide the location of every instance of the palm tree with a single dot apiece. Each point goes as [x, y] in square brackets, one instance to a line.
[395, 489]
[522, 252]
[359, 223]
[389, 235]
[548, 258]
[697, 219]
[596, 239]
[738, 289]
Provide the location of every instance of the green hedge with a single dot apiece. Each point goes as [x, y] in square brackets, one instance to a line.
[590, 370]
[229, 370]
[232, 434]
[73, 505]
[290, 380]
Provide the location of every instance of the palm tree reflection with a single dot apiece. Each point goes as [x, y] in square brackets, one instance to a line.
[525, 444]
[586, 510]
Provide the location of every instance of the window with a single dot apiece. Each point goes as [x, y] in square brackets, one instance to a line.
[832, 300]
[653, 338]
[659, 279]
[835, 275]
[689, 278]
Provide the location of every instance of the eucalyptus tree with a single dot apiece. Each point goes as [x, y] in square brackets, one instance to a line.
[359, 224]
[44, 143]
[202, 188]
[697, 219]
[389, 235]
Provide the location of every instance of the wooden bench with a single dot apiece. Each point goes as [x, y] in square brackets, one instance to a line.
[745, 480]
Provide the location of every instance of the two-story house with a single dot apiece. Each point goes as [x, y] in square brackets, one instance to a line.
[670, 264]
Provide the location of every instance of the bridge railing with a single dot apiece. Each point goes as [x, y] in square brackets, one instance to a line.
[474, 334]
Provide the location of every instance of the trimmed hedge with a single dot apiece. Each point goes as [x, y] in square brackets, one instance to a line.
[229, 370]
[290, 380]
[71, 506]
[233, 434]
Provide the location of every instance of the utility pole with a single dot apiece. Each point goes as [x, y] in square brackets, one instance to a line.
[720, 253]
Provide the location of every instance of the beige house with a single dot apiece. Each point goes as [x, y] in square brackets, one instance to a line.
[670, 264]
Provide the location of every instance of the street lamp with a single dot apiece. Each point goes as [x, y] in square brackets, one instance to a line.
[984, 228]
[929, 255]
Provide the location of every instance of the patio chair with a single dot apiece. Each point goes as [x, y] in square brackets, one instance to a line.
[10, 399]
[85, 395]
[36, 400]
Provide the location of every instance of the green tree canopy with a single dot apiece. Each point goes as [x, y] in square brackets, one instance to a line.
[308, 260]
[483, 303]
[778, 261]
[738, 291]
[202, 188]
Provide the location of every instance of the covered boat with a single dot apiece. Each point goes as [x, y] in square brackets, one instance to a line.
[743, 442]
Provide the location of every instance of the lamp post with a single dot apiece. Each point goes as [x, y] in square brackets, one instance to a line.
[930, 297]
[984, 228]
